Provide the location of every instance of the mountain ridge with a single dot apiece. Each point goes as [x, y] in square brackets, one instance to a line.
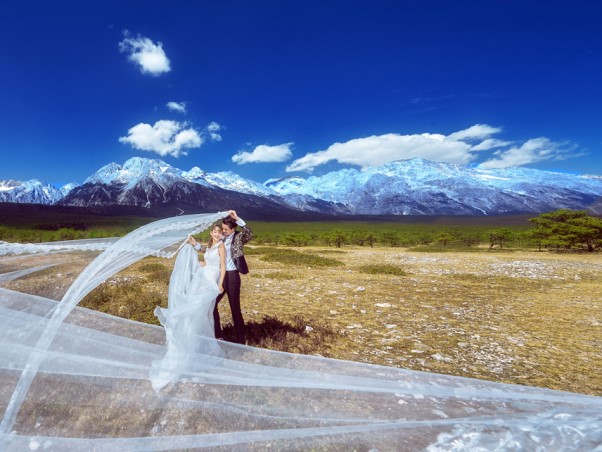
[399, 188]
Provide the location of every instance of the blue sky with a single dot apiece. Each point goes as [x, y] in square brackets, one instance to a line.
[275, 88]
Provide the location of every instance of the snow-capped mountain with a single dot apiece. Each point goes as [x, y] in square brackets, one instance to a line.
[32, 192]
[404, 187]
[155, 184]
[423, 187]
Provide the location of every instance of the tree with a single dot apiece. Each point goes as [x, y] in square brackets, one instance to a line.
[336, 237]
[444, 238]
[470, 239]
[568, 228]
[358, 237]
[295, 239]
[500, 236]
[390, 238]
[370, 239]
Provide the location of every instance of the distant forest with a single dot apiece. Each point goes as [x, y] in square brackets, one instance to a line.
[559, 230]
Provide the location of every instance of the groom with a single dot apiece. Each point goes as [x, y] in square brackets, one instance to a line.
[235, 264]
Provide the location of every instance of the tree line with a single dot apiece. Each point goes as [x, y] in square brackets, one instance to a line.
[562, 229]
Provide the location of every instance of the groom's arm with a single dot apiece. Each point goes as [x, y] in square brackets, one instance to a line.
[245, 234]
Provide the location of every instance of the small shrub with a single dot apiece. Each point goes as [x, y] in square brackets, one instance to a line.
[129, 300]
[156, 272]
[292, 257]
[382, 269]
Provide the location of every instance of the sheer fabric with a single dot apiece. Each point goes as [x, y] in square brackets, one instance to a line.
[90, 388]
[188, 319]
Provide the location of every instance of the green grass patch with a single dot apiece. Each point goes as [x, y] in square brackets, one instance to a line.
[259, 250]
[130, 300]
[292, 257]
[156, 272]
[455, 248]
[339, 252]
[383, 269]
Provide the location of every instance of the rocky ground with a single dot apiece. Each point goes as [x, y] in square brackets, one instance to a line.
[524, 317]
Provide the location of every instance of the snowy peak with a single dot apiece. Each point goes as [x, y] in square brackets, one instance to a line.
[231, 181]
[403, 187]
[285, 184]
[134, 171]
[32, 192]
[423, 187]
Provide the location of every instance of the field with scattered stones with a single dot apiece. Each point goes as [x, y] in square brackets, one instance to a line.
[514, 316]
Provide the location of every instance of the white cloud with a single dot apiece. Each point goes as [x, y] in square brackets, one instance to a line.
[491, 143]
[178, 107]
[214, 131]
[476, 132]
[531, 151]
[165, 138]
[460, 147]
[145, 53]
[380, 149]
[265, 153]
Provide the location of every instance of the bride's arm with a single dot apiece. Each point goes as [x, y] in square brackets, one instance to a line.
[221, 249]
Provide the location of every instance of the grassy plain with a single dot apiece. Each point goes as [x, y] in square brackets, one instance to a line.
[515, 316]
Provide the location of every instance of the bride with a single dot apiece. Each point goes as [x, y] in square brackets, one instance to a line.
[188, 318]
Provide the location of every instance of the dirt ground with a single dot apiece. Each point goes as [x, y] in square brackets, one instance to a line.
[524, 317]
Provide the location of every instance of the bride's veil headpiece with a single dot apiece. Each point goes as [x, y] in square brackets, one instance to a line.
[75, 379]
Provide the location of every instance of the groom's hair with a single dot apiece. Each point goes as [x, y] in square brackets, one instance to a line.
[231, 222]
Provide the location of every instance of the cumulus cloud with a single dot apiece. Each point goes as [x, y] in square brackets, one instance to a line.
[265, 153]
[150, 57]
[178, 107]
[380, 149]
[214, 130]
[461, 147]
[531, 151]
[164, 137]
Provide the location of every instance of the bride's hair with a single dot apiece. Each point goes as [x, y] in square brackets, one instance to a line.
[211, 242]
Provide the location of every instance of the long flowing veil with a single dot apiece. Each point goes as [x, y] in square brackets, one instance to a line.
[76, 379]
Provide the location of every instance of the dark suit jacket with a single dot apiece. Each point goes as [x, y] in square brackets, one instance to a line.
[236, 249]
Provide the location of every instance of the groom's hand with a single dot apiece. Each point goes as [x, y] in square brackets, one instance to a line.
[233, 214]
[191, 240]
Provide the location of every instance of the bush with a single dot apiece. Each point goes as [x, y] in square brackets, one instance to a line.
[156, 272]
[292, 257]
[382, 269]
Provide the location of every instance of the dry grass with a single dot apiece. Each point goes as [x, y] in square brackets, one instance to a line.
[523, 317]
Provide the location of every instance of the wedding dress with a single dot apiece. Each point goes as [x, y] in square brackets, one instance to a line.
[73, 379]
[188, 318]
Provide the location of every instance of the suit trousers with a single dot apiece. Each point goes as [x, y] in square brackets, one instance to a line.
[232, 289]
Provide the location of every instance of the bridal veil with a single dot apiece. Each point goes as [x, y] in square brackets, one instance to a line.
[76, 379]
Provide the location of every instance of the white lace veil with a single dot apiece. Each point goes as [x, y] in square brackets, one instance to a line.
[76, 379]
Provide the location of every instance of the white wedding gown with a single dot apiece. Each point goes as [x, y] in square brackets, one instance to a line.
[188, 318]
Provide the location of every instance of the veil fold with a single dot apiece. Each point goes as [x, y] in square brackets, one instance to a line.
[76, 379]
[152, 239]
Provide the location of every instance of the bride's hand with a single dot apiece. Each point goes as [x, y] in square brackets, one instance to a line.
[191, 240]
[221, 289]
